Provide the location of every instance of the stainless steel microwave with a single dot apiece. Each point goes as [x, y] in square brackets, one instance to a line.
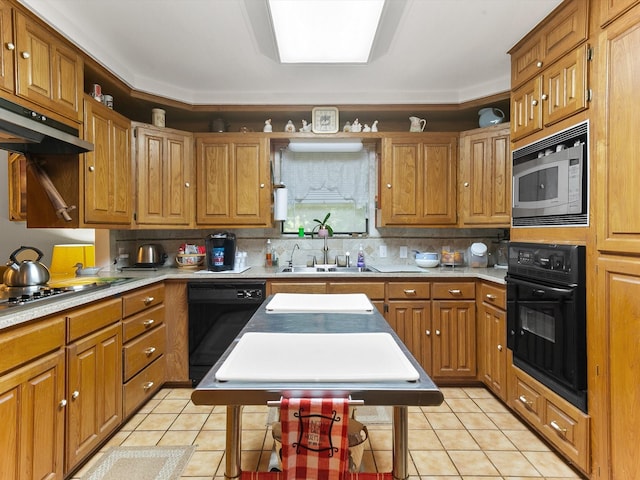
[550, 180]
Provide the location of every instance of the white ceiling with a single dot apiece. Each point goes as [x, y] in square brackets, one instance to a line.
[222, 51]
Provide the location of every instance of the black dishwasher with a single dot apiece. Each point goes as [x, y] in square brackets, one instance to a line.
[218, 310]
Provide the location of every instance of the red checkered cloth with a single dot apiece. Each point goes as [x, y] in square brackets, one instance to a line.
[315, 442]
[280, 476]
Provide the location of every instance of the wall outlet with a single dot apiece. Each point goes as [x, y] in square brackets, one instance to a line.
[403, 252]
[383, 251]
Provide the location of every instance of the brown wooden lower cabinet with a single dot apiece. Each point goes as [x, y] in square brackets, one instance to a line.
[562, 424]
[492, 338]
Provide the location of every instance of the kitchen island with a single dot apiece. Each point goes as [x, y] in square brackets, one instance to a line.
[396, 391]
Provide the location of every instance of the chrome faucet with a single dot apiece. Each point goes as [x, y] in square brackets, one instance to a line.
[325, 252]
[292, 252]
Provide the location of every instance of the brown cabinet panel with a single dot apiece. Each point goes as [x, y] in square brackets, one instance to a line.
[142, 299]
[142, 322]
[7, 48]
[85, 320]
[296, 287]
[485, 177]
[492, 339]
[141, 387]
[454, 339]
[139, 353]
[453, 290]
[610, 9]
[411, 320]
[94, 392]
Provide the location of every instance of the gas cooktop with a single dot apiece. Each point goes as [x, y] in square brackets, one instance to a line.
[20, 296]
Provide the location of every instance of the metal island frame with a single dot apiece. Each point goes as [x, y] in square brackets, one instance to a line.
[398, 394]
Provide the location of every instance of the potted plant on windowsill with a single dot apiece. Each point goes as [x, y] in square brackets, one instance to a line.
[322, 227]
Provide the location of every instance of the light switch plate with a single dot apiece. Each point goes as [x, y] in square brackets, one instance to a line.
[403, 252]
[383, 251]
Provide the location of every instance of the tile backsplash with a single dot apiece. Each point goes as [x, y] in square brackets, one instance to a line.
[253, 241]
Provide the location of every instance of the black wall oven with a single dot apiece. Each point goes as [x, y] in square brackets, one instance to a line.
[546, 316]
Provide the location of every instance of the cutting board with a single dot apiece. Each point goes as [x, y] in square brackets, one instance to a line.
[319, 302]
[316, 357]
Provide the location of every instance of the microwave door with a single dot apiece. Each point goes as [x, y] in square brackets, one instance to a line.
[540, 189]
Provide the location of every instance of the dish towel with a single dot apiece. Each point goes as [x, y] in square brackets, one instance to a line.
[315, 442]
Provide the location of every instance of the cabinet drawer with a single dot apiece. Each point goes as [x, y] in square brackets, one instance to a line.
[409, 290]
[373, 290]
[454, 290]
[493, 295]
[82, 321]
[142, 322]
[140, 299]
[528, 401]
[568, 429]
[25, 343]
[142, 386]
[140, 352]
[297, 287]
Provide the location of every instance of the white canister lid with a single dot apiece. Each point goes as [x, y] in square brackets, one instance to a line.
[478, 249]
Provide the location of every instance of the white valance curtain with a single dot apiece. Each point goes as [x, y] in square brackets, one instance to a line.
[326, 176]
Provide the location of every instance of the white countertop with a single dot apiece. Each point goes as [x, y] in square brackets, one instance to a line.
[14, 316]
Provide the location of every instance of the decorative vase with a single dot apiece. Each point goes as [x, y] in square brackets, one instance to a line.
[490, 116]
[323, 232]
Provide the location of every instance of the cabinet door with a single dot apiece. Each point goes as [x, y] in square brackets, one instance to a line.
[7, 48]
[616, 136]
[107, 171]
[412, 322]
[485, 177]
[32, 413]
[418, 181]
[94, 389]
[565, 87]
[614, 394]
[233, 187]
[526, 109]
[164, 165]
[612, 8]
[49, 72]
[492, 355]
[454, 339]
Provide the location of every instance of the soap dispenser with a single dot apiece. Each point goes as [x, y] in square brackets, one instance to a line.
[360, 261]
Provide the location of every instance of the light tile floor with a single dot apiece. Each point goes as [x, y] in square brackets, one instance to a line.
[471, 436]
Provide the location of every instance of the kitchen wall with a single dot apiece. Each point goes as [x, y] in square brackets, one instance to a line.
[15, 234]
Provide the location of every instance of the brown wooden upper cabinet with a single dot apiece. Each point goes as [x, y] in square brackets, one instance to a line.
[233, 186]
[165, 175]
[418, 180]
[8, 48]
[49, 72]
[107, 169]
[485, 177]
[613, 8]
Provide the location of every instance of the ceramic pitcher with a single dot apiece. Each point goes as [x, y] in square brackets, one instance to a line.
[417, 124]
[490, 116]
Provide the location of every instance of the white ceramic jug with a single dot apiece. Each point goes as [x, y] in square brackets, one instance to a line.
[417, 124]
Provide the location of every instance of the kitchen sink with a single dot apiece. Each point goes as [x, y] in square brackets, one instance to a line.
[323, 269]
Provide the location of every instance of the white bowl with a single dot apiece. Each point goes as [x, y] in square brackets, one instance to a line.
[427, 263]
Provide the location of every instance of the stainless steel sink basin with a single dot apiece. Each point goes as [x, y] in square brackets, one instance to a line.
[323, 269]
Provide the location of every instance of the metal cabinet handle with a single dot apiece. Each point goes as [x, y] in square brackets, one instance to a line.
[262, 185]
[428, 332]
[10, 46]
[490, 296]
[149, 351]
[544, 96]
[557, 427]
[539, 64]
[148, 300]
[410, 292]
[438, 332]
[147, 385]
[534, 102]
[148, 323]
[524, 400]
[466, 184]
[92, 168]
[25, 55]
[63, 403]
[75, 395]
[499, 348]
[455, 291]
[388, 185]
[187, 184]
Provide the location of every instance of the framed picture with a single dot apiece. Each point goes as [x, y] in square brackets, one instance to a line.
[324, 120]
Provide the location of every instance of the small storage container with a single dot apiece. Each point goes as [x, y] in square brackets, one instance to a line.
[478, 255]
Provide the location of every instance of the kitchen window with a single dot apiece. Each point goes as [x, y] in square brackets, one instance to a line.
[319, 183]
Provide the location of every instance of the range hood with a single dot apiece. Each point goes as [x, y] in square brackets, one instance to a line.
[26, 131]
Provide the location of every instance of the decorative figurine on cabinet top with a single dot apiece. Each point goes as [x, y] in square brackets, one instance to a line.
[267, 126]
[374, 126]
[356, 126]
[289, 127]
[306, 127]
